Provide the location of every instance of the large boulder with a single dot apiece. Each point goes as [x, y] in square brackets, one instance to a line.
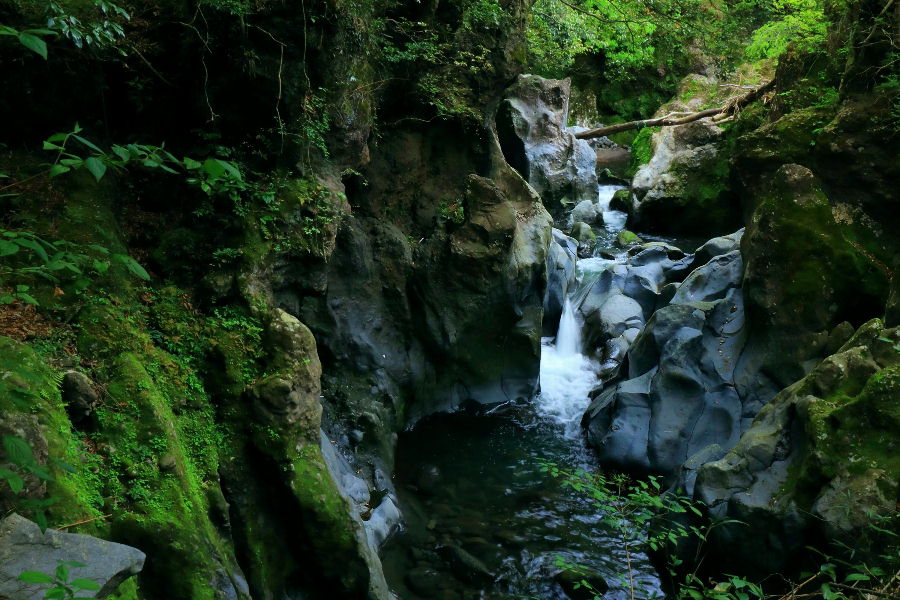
[685, 187]
[287, 400]
[531, 126]
[561, 258]
[818, 460]
[677, 406]
[442, 318]
[808, 269]
[622, 295]
[23, 547]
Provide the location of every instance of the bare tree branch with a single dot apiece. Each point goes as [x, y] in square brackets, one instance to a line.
[728, 109]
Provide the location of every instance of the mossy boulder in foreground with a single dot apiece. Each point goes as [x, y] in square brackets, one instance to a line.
[820, 460]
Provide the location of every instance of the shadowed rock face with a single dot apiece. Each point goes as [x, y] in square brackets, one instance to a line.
[805, 274]
[452, 313]
[531, 126]
[816, 460]
[24, 548]
[677, 404]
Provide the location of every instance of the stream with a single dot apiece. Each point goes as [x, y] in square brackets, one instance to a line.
[481, 518]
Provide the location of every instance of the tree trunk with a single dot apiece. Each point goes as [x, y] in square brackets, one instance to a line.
[729, 108]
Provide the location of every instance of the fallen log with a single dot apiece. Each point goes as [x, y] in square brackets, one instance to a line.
[728, 109]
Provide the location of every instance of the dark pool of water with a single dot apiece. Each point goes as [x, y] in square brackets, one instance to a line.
[483, 520]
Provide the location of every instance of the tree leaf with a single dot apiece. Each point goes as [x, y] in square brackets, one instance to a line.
[85, 584]
[122, 153]
[40, 517]
[58, 170]
[27, 299]
[88, 143]
[34, 43]
[133, 266]
[96, 167]
[35, 577]
[62, 572]
[34, 246]
[17, 450]
[7, 248]
[215, 168]
[16, 484]
[64, 466]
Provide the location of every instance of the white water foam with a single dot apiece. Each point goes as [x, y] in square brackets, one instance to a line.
[567, 376]
[613, 220]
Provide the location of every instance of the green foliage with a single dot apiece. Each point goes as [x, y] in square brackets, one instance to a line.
[20, 457]
[314, 121]
[798, 22]
[484, 14]
[279, 205]
[62, 587]
[645, 518]
[623, 32]
[28, 257]
[438, 65]
[640, 515]
[454, 212]
[103, 29]
[238, 8]
[641, 150]
[103, 32]
[30, 38]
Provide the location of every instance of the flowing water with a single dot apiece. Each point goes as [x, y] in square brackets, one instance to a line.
[482, 520]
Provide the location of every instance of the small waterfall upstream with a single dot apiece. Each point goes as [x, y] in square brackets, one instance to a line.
[567, 375]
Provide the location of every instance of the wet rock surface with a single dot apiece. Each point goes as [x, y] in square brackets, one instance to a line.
[678, 397]
[531, 125]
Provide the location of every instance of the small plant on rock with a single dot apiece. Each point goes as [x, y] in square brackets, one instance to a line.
[62, 587]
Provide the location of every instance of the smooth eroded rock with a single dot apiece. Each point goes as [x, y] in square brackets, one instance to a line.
[24, 548]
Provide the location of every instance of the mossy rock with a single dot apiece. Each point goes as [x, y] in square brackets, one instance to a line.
[820, 459]
[627, 238]
[806, 271]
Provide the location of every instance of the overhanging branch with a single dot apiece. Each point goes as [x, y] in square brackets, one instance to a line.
[728, 109]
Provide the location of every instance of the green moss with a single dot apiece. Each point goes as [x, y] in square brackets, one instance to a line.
[641, 150]
[813, 242]
[327, 514]
[789, 139]
[29, 386]
[625, 237]
[853, 428]
[861, 429]
[158, 436]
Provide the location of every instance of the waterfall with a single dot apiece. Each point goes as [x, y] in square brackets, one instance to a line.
[567, 376]
[568, 339]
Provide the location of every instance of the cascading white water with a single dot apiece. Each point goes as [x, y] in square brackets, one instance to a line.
[613, 220]
[567, 376]
[568, 339]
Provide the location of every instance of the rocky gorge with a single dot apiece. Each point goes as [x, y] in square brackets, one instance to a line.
[342, 380]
